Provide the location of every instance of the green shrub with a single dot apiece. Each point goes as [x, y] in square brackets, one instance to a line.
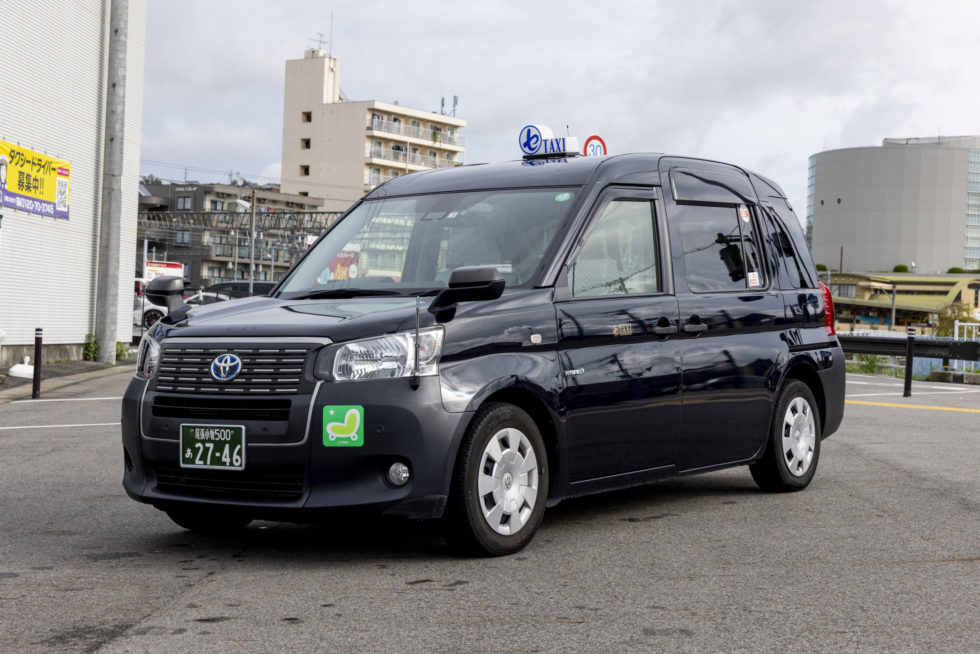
[122, 351]
[900, 268]
[955, 270]
[90, 350]
[821, 267]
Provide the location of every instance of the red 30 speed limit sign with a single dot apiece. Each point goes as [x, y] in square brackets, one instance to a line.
[594, 147]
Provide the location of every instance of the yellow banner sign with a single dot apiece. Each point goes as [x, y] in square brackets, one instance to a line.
[33, 182]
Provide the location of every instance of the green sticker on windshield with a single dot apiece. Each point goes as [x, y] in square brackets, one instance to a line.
[563, 197]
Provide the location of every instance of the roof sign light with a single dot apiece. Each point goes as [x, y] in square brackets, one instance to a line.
[540, 141]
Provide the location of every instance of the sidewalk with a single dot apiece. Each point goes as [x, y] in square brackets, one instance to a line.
[57, 375]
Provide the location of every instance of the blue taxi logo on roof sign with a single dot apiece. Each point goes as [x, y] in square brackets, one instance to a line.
[532, 137]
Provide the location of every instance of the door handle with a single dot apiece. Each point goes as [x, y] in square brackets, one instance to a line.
[663, 331]
[695, 327]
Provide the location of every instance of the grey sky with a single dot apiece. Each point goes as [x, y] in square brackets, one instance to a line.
[760, 83]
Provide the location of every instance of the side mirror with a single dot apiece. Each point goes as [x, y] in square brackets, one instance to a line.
[470, 283]
[166, 292]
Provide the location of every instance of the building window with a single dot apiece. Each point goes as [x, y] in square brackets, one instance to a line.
[182, 237]
[217, 205]
[214, 272]
[450, 156]
[377, 120]
[844, 290]
[304, 171]
[305, 193]
[305, 144]
[184, 203]
[307, 116]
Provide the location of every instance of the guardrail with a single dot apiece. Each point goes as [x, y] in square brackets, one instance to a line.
[928, 347]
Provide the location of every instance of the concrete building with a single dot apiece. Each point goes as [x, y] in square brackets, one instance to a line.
[912, 201]
[339, 150]
[207, 227]
[53, 98]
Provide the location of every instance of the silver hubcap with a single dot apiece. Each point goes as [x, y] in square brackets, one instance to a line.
[508, 481]
[799, 437]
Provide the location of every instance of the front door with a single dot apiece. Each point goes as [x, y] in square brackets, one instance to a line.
[617, 330]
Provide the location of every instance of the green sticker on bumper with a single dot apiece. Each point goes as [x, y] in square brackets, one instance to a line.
[343, 426]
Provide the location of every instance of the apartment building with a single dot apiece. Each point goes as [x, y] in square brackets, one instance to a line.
[208, 228]
[339, 150]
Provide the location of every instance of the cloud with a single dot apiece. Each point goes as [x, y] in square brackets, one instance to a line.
[762, 83]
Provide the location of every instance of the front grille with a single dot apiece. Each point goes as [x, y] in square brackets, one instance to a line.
[225, 408]
[232, 485]
[265, 370]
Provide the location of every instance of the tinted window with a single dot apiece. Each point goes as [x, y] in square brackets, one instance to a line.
[619, 254]
[720, 250]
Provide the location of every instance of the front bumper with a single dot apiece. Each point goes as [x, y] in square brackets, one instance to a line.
[290, 474]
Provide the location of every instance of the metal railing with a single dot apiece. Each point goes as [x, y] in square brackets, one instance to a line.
[437, 136]
[414, 158]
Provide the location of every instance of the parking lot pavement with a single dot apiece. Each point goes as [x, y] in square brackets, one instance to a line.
[880, 553]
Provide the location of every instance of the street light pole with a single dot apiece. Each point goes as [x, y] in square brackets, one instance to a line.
[251, 265]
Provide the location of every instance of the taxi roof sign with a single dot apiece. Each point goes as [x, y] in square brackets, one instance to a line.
[538, 141]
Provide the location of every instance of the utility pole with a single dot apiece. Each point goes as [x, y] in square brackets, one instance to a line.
[107, 288]
[251, 265]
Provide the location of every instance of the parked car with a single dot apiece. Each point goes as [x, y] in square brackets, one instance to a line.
[472, 344]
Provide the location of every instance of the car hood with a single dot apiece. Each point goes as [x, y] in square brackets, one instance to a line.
[336, 319]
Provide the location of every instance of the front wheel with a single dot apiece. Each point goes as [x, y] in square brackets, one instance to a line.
[793, 449]
[500, 483]
[150, 318]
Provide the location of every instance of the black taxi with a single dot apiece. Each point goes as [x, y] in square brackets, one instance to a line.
[477, 343]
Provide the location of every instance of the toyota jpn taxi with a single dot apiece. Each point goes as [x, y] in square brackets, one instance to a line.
[477, 343]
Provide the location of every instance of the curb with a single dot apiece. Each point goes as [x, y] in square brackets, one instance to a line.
[25, 391]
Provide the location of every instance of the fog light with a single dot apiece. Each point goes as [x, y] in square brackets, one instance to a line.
[398, 474]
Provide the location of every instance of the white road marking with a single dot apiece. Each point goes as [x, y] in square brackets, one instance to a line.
[87, 424]
[914, 393]
[70, 399]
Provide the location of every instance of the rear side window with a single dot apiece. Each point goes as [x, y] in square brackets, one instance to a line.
[721, 251]
[785, 251]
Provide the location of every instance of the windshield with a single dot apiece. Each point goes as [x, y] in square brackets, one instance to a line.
[410, 245]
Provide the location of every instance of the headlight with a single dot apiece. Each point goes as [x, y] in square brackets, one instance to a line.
[148, 358]
[386, 357]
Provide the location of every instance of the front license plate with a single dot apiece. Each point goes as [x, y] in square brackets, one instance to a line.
[220, 447]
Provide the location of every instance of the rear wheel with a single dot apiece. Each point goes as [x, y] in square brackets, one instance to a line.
[500, 483]
[793, 449]
[208, 520]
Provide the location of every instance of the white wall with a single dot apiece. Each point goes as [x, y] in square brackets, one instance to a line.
[52, 100]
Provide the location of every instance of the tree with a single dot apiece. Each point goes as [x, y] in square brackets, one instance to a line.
[900, 268]
[821, 267]
[948, 317]
[150, 179]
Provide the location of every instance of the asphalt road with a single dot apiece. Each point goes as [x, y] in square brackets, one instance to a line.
[880, 553]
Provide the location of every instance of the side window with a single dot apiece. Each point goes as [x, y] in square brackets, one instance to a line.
[721, 252]
[620, 253]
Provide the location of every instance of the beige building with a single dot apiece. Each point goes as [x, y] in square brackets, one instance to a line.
[917, 300]
[339, 150]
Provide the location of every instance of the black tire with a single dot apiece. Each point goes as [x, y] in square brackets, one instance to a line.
[502, 520]
[793, 448]
[208, 520]
[151, 317]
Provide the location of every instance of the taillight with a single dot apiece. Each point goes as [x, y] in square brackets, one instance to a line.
[828, 311]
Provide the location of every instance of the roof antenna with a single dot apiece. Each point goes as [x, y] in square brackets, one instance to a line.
[416, 381]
